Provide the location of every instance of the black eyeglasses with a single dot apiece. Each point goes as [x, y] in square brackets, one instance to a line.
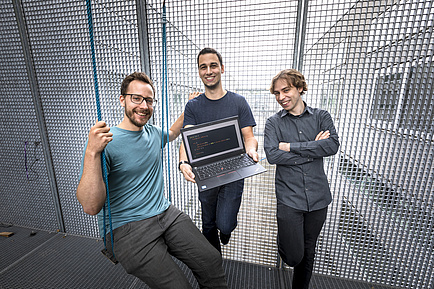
[138, 99]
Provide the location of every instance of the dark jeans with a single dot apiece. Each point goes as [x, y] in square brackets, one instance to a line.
[220, 208]
[298, 232]
[144, 249]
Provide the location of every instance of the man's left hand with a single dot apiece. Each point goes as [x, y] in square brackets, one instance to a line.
[253, 154]
[323, 135]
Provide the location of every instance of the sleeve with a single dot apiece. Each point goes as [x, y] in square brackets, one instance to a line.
[161, 134]
[272, 151]
[165, 137]
[321, 148]
[245, 114]
[189, 118]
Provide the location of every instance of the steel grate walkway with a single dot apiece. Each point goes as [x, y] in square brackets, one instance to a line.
[39, 259]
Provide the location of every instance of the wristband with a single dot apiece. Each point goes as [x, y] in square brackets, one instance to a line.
[182, 162]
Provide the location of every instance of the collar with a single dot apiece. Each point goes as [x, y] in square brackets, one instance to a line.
[225, 92]
[307, 109]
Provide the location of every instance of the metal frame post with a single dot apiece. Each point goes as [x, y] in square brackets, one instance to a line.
[142, 22]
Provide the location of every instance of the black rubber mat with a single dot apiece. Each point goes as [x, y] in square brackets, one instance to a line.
[36, 259]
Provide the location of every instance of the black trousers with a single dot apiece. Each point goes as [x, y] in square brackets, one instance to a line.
[297, 234]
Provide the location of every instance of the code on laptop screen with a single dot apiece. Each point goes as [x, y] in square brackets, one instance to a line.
[212, 142]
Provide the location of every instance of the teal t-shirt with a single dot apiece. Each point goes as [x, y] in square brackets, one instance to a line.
[135, 176]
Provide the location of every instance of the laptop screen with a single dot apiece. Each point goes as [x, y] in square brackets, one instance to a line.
[213, 139]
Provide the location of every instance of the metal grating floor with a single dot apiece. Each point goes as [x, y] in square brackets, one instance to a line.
[39, 259]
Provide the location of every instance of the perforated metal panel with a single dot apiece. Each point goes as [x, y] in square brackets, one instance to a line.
[369, 63]
[25, 197]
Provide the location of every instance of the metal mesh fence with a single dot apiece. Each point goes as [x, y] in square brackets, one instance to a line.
[369, 63]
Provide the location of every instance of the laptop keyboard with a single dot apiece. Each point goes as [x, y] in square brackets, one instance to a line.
[217, 168]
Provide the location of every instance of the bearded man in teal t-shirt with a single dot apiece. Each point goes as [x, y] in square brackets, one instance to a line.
[147, 229]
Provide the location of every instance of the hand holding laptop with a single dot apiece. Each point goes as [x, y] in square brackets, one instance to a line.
[186, 170]
[253, 154]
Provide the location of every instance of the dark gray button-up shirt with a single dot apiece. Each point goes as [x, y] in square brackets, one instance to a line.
[301, 182]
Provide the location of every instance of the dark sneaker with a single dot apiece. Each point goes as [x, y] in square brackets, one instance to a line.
[224, 238]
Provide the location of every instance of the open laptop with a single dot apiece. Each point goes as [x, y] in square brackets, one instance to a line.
[216, 153]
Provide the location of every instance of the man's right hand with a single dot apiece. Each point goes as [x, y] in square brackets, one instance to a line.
[99, 137]
[187, 172]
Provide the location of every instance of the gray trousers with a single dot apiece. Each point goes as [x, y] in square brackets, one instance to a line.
[144, 248]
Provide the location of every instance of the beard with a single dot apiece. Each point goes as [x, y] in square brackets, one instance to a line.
[131, 116]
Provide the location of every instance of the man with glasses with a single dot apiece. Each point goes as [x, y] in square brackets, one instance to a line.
[220, 205]
[147, 229]
[296, 139]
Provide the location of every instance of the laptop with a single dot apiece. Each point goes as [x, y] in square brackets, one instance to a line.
[217, 154]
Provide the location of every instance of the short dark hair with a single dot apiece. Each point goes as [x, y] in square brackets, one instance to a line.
[293, 78]
[208, 50]
[141, 76]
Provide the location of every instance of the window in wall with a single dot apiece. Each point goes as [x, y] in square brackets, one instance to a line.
[330, 96]
[379, 191]
[418, 105]
[385, 100]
